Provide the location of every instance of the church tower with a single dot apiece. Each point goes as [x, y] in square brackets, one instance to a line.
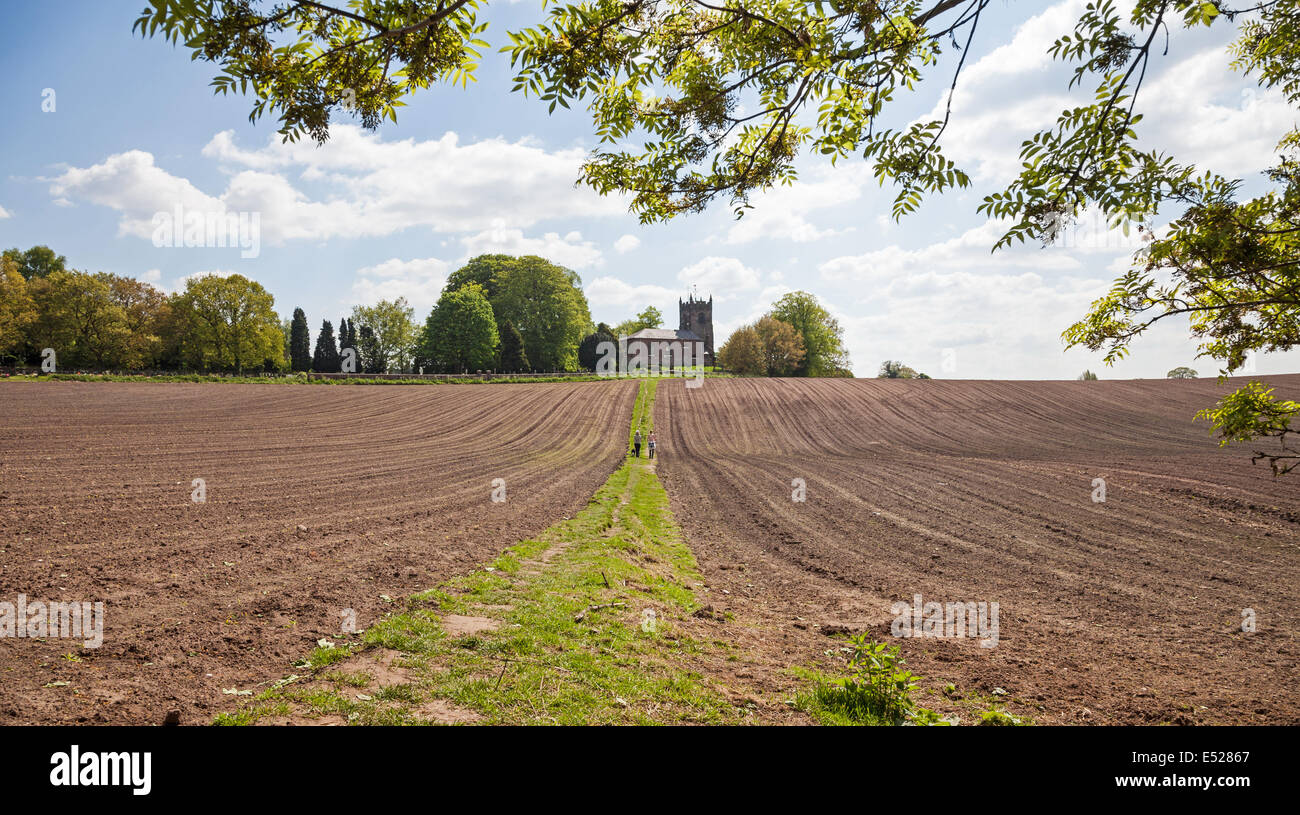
[697, 315]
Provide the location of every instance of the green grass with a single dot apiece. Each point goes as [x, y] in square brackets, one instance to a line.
[590, 617]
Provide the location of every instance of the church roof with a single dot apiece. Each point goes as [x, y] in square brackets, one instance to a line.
[665, 334]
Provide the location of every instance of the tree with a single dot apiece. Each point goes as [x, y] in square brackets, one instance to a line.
[17, 310]
[461, 332]
[823, 339]
[782, 347]
[1087, 376]
[371, 358]
[742, 353]
[145, 311]
[300, 358]
[893, 369]
[79, 318]
[230, 324]
[546, 305]
[651, 317]
[589, 348]
[347, 335]
[1181, 372]
[387, 335]
[326, 358]
[482, 270]
[39, 261]
[514, 359]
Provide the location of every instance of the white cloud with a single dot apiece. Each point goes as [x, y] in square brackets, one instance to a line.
[373, 187]
[626, 244]
[613, 300]
[570, 250]
[970, 250]
[131, 183]
[786, 211]
[419, 280]
[721, 277]
[4, 213]
[1196, 108]
[150, 275]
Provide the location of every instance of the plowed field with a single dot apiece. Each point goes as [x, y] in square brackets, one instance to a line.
[318, 499]
[1123, 611]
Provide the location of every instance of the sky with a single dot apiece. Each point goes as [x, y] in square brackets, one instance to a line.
[104, 129]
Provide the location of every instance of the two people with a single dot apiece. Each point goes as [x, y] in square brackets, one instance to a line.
[636, 443]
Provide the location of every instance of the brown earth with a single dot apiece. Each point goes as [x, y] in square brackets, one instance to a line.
[1123, 611]
[319, 499]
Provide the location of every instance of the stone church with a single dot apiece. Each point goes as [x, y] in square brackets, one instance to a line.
[667, 348]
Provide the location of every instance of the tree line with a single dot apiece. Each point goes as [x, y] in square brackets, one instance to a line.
[497, 312]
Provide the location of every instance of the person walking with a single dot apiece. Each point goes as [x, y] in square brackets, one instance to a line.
[651, 439]
[636, 443]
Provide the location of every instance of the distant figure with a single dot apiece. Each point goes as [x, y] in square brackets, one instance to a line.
[636, 443]
[652, 439]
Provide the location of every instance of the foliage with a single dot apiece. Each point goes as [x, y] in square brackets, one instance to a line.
[229, 323]
[1181, 372]
[893, 369]
[651, 317]
[482, 270]
[823, 338]
[347, 334]
[878, 690]
[1087, 376]
[302, 60]
[1250, 413]
[513, 357]
[461, 332]
[79, 318]
[782, 347]
[299, 342]
[589, 348]
[742, 353]
[387, 336]
[17, 310]
[545, 303]
[39, 261]
[326, 360]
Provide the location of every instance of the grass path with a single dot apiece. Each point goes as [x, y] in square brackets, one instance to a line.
[584, 624]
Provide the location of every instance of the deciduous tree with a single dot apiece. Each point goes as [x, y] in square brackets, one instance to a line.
[514, 359]
[546, 305]
[461, 332]
[17, 310]
[390, 341]
[230, 324]
[782, 346]
[823, 339]
[742, 353]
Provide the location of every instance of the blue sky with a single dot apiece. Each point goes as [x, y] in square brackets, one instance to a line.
[136, 130]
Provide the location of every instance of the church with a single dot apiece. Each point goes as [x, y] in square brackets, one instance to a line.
[666, 348]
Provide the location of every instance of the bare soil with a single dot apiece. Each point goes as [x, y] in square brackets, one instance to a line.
[1127, 611]
[319, 500]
